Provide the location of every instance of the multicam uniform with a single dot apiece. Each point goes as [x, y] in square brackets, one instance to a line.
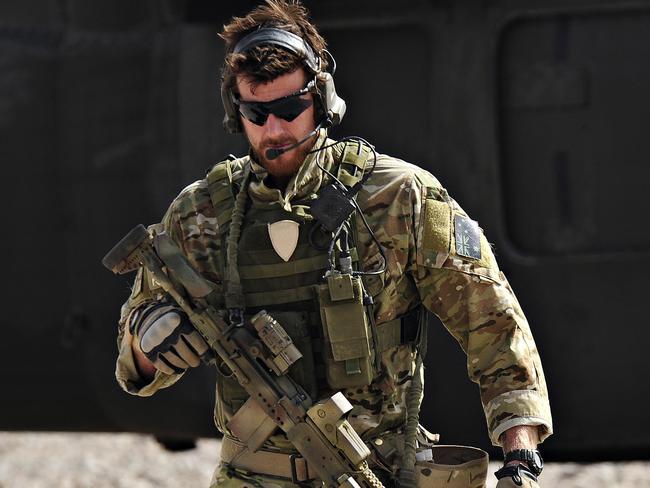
[436, 256]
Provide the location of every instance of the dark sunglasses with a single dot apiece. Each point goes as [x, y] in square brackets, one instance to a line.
[287, 108]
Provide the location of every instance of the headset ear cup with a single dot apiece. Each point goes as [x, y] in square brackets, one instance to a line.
[231, 121]
[333, 105]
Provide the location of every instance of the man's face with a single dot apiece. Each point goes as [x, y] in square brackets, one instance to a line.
[277, 133]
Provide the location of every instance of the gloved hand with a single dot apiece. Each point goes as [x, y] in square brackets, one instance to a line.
[516, 476]
[168, 339]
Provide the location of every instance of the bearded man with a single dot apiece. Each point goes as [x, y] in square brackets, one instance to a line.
[272, 229]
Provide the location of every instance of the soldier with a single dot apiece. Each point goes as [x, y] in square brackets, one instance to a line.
[267, 228]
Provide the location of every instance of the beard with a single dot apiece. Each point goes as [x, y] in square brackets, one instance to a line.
[287, 163]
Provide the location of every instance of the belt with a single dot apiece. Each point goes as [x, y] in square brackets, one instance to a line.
[290, 466]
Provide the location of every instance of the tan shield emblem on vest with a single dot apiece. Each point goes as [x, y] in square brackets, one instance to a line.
[284, 237]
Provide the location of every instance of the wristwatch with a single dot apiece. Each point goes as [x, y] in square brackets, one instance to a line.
[516, 473]
[530, 457]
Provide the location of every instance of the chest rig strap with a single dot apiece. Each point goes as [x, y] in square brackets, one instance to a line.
[234, 293]
[230, 211]
[220, 187]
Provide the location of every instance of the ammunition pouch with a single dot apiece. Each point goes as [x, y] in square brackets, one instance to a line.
[346, 332]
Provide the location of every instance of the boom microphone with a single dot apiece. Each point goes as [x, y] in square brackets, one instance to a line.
[274, 153]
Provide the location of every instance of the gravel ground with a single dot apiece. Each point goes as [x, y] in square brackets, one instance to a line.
[40, 460]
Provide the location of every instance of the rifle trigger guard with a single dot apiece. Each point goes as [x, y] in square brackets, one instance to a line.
[235, 317]
[227, 372]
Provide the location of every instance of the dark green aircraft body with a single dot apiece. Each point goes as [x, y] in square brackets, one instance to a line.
[535, 114]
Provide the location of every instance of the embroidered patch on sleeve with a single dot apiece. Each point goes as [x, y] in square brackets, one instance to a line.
[468, 237]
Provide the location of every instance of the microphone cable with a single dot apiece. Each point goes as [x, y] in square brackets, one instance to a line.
[351, 193]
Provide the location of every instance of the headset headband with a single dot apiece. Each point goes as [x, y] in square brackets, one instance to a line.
[282, 38]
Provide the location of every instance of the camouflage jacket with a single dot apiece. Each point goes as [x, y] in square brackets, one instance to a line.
[436, 256]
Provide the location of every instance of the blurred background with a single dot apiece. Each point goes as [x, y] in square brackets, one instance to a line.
[535, 115]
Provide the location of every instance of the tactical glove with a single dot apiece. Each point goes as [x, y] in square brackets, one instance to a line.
[168, 339]
[516, 476]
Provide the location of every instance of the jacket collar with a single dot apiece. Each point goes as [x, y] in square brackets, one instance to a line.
[306, 182]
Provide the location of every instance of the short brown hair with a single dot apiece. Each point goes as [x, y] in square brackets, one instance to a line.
[262, 64]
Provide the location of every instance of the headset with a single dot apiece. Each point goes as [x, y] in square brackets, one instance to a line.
[329, 104]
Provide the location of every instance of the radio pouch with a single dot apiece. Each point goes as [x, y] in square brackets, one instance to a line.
[346, 333]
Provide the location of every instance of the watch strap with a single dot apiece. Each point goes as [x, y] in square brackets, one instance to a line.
[527, 456]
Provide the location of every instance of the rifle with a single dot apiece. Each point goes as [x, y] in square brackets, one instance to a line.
[319, 431]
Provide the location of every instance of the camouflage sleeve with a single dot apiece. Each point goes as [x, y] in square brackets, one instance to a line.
[144, 291]
[458, 280]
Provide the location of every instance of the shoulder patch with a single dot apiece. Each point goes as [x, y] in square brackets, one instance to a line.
[435, 225]
[468, 237]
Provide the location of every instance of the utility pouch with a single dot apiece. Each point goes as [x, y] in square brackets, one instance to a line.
[347, 336]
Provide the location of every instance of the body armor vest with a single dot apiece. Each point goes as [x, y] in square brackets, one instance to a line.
[290, 290]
